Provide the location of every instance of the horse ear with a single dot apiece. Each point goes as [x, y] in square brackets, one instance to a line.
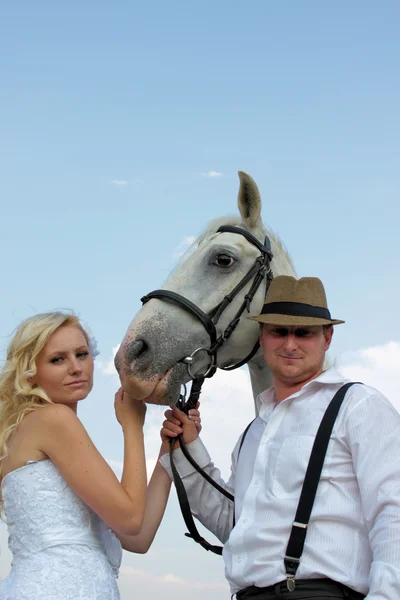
[249, 200]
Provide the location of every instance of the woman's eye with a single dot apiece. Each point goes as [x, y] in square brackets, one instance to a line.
[82, 354]
[56, 360]
[223, 260]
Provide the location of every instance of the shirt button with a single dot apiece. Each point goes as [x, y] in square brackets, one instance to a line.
[256, 482]
[246, 521]
[238, 559]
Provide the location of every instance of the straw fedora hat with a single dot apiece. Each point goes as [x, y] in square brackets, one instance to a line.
[292, 302]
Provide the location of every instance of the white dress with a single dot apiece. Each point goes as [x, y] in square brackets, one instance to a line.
[61, 549]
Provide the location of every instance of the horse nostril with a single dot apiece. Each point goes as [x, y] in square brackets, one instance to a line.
[135, 349]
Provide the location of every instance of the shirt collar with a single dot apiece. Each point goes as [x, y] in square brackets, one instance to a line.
[328, 377]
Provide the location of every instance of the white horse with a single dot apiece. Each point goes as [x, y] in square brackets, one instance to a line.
[162, 334]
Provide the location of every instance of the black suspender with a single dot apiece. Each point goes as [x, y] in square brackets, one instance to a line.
[245, 432]
[298, 533]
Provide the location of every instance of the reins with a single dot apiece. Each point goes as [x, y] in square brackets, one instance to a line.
[260, 270]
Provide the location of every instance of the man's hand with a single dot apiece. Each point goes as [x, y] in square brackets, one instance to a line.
[177, 422]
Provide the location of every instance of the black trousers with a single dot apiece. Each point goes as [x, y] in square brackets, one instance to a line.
[306, 589]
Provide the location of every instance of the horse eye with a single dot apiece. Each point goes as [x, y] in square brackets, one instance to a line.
[223, 260]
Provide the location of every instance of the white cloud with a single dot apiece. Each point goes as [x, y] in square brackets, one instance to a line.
[119, 182]
[227, 407]
[138, 576]
[150, 464]
[377, 366]
[109, 367]
[118, 466]
[212, 174]
[187, 241]
[169, 578]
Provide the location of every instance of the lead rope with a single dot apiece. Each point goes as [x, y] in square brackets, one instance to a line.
[185, 406]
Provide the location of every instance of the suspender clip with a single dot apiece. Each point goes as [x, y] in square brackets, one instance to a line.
[291, 564]
[290, 583]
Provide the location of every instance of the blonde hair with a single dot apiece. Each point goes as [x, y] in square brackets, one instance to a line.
[18, 396]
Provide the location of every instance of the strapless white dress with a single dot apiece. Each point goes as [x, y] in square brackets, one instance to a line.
[61, 549]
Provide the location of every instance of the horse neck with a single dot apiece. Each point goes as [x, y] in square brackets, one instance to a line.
[260, 375]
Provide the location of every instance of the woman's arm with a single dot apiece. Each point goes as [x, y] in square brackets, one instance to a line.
[63, 438]
[156, 502]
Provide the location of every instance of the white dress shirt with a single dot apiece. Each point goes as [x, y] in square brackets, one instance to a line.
[354, 531]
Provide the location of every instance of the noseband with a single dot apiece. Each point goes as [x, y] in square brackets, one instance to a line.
[260, 269]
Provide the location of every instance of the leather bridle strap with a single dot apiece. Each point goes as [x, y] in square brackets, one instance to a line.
[186, 304]
[217, 311]
[263, 248]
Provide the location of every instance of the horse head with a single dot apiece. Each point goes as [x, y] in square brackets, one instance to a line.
[166, 343]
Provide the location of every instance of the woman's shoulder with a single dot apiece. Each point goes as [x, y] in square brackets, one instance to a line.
[48, 415]
[23, 445]
[49, 420]
[55, 413]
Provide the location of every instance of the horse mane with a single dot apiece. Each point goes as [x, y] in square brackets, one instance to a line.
[234, 220]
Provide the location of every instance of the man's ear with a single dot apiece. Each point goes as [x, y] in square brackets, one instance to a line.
[328, 333]
[261, 335]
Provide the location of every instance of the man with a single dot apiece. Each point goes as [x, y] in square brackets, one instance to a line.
[352, 544]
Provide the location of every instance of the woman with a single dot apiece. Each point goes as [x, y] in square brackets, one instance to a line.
[67, 513]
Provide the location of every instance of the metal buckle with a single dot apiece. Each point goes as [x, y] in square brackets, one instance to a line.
[301, 525]
[292, 559]
[189, 362]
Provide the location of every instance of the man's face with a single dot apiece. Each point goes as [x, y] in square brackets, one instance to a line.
[295, 354]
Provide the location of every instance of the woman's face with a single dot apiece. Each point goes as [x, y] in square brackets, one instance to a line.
[65, 367]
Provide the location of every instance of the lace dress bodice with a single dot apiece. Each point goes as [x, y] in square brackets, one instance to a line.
[61, 549]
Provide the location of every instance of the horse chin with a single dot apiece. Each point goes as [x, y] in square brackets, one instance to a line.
[138, 388]
[162, 389]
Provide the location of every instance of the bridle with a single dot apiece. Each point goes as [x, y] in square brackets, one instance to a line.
[260, 270]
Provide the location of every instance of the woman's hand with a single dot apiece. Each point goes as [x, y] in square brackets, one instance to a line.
[128, 409]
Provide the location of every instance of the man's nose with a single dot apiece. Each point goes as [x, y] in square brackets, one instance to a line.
[291, 342]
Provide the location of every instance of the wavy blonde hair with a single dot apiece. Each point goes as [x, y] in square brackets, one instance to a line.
[18, 396]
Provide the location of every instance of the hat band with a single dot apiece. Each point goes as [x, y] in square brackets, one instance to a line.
[296, 309]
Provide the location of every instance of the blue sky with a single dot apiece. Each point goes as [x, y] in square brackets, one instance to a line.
[113, 114]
